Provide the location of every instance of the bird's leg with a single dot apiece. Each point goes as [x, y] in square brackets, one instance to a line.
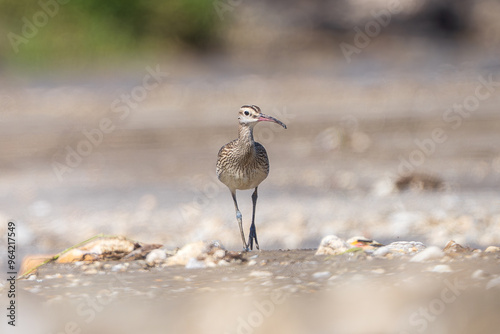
[240, 222]
[253, 232]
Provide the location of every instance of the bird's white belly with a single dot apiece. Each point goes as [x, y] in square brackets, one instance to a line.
[243, 180]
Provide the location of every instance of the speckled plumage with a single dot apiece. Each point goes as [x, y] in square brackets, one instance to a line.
[243, 164]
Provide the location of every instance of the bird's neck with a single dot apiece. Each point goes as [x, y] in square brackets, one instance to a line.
[246, 143]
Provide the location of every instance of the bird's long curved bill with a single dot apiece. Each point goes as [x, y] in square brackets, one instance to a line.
[263, 117]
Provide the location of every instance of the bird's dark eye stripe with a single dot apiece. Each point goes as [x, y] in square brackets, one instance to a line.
[254, 107]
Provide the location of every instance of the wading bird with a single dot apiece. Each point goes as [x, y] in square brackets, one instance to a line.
[243, 164]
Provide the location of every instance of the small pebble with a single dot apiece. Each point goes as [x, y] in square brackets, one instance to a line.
[321, 274]
[119, 267]
[290, 288]
[219, 254]
[493, 283]
[382, 251]
[195, 264]
[332, 245]
[400, 248]
[442, 268]
[430, 253]
[475, 255]
[479, 274]
[210, 264]
[53, 276]
[252, 263]
[453, 248]
[156, 256]
[223, 263]
[378, 271]
[259, 273]
[492, 249]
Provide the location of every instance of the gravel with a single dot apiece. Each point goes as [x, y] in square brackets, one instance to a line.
[430, 253]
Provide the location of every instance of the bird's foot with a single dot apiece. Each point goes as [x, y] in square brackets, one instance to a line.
[251, 237]
[250, 244]
[245, 247]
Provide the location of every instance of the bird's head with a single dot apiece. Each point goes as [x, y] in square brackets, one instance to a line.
[251, 115]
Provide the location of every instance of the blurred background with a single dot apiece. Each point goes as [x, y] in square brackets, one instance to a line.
[112, 114]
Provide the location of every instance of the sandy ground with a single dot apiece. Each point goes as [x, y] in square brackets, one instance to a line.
[269, 291]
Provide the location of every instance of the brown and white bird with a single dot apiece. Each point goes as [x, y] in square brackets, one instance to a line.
[243, 164]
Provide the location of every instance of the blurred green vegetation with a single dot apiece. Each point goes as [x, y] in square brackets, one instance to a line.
[82, 32]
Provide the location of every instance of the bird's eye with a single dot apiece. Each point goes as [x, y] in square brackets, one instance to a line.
[246, 113]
